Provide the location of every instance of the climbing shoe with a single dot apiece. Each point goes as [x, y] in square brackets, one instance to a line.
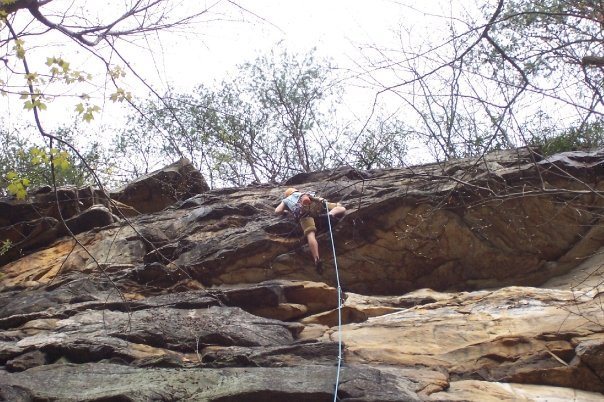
[319, 266]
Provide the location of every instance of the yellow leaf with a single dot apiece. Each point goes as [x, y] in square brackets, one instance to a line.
[19, 49]
[21, 193]
[31, 77]
[64, 65]
[4, 247]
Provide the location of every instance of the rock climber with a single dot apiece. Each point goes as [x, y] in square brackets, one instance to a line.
[305, 207]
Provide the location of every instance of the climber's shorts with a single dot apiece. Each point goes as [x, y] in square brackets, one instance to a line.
[308, 223]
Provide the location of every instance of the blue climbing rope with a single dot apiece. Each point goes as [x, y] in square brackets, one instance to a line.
[335, 261]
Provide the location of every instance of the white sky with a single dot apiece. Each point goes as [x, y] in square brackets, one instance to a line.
[339, 29]
[238, 31]
[334, 27]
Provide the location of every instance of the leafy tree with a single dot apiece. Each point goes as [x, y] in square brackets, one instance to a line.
[242, 147]
[381, 145]
[37, 76]
[27, 163]
[262, 125]
[292, 89]
[165, 129]
[548, 49]
[586, 138]
[479, 86]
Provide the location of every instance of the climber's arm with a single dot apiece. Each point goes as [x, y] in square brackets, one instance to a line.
[280, 210]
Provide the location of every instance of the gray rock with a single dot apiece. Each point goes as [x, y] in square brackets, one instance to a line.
[93, 382]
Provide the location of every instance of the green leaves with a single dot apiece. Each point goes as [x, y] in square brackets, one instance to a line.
[60, 159]
[36, 103]
[17, 186]
[23, 156]
[120, 95]
[61, 69]
[19, 49]
[87, 111]
[116, 72]
[550, 142]
[37, 158]
[5, 246]
[33, 100]
[32, 78]
[57, 64]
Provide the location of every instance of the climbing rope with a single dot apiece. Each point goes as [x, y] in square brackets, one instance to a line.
[335, 261]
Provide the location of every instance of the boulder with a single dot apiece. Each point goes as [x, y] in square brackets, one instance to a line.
[162, 188]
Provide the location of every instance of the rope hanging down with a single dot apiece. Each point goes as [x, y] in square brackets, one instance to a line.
[333, 247]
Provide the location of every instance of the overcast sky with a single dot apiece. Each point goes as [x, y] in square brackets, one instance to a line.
[238, 31]
[336, 28]
[339, 29]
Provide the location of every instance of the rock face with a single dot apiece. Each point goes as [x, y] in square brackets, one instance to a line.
[37, 221]
[473, 280]
[159, 189]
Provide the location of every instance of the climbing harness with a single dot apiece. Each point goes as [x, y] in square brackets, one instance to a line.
[335, 261]
[308, 205]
